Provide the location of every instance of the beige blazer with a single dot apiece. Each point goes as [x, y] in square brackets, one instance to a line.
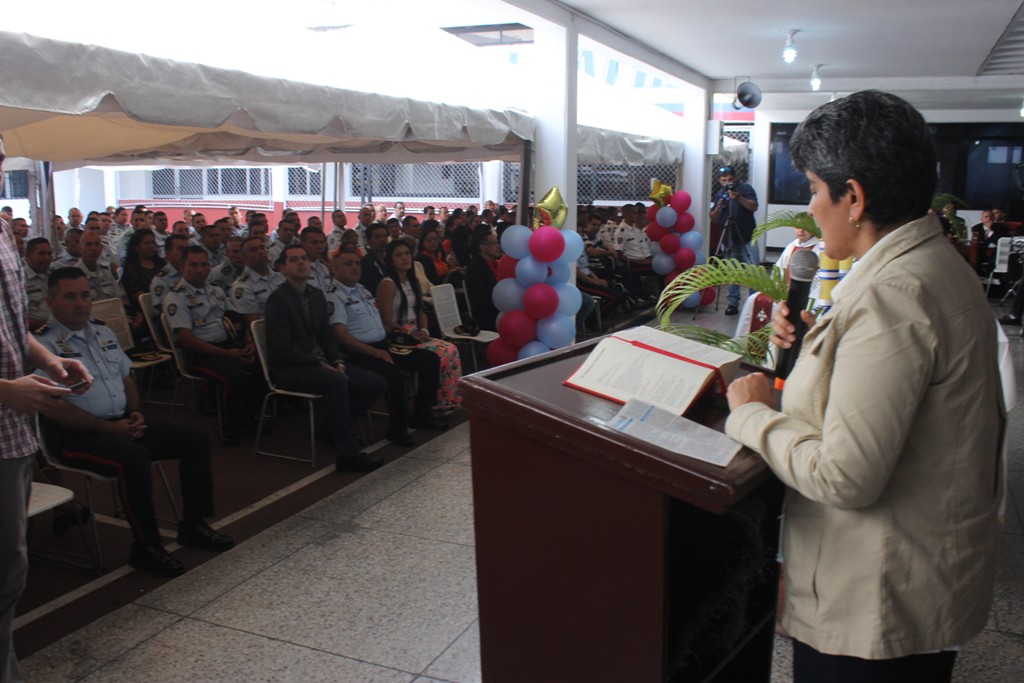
[889, 444]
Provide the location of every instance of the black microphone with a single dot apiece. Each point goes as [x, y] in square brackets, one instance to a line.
[803, 266]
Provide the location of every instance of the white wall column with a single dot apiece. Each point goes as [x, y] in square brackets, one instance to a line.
[555, 78]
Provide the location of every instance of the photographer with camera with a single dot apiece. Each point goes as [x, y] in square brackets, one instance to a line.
[734, 208]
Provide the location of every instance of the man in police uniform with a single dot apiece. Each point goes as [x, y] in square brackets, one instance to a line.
[102, 278]
[211, 238]
[230, 269]
[248, 295]
[284, 236]
[340, 225]
[196, 310]
[170, 274]
[104, 430]
[315, 244]
[357, 325]
[38, 257]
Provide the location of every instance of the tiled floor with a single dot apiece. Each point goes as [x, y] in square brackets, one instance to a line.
[377, 583]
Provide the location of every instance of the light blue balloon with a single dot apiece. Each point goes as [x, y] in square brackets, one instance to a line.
[691, 240]
[515, 241]
[666, 217]
[573, 247]
[530, 271]
[560, 272]
[655, 247]
[663, 264]
[701, 258]
[556, 331]
[508, 295]
[569, 298]
[692, 301]
[534, 348]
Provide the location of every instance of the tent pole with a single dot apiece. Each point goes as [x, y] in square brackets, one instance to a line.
[323, 190]
[525, 180]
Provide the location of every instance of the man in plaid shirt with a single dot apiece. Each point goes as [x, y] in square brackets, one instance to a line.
[21, 394]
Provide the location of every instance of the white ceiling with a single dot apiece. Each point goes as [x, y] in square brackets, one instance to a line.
[929, 51]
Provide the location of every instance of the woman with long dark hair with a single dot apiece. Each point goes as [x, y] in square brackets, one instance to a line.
[401, 310]
[432, 255]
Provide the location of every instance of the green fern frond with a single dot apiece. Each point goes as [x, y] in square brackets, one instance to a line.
[787, 219]
[716, 271]
[943, 198]
[754, 347]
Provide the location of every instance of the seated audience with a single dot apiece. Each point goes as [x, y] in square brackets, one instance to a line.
[357, 325]
[401, 308]
[38, 257]
[250, 291]
[170, 274]
[334, 236]
[372, 265]
[105, 431]
[230, 269]
[304, 356]
[196, 313]
[315, 244]
[481, 278]
[432, 255]
[102, 278]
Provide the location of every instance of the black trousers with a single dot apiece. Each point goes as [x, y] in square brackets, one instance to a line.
[427, 366]
[130, 461]
[240, 389]
[811, 666]
[346, 395]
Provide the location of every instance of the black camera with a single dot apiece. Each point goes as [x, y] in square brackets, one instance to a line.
[731, 187]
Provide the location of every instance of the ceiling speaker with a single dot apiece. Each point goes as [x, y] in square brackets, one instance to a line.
[747, 95]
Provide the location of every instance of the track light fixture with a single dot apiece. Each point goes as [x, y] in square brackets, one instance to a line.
[815, 78]
[789, 51]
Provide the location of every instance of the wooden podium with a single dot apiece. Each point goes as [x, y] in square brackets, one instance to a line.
[604, 558]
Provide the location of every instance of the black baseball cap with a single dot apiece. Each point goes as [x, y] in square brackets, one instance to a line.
[726, 170]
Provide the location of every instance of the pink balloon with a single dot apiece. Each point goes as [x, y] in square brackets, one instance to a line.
[652, 211]
[517, 328]
[672, 276]
[685, 258]
[680, 201]
[655, 232]
[499, 353]
[669, 243]
[707, 296]
[540, 301]
[684, 223]
[547, 244]
[507, 267]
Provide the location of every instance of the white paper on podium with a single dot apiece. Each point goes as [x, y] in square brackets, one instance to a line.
[674, 433]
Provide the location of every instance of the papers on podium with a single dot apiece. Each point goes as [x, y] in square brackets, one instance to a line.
[677, 434]
[656, 367]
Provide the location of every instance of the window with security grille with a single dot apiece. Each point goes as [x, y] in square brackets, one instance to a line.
[741, 166]
[195, 182]
[303, 182]
[510, 182]
[608, 184]
[15, 185]
[457, 181]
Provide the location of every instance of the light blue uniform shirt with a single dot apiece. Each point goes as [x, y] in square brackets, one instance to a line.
[199, 310]
[162, 283]
[356, 309]
[249, 293]
[96, 346]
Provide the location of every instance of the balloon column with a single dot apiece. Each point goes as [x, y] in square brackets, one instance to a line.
[675, 245]
[533, 293]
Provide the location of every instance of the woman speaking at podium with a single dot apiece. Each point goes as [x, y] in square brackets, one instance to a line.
[889, 426]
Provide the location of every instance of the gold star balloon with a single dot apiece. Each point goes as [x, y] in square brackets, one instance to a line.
[660, 193]
[550, 210]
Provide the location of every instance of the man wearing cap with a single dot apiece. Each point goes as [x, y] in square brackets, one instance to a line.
[734, 208]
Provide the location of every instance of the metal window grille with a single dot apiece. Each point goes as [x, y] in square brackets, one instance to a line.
[510, 182]
[606, 184]
[15, 185]
[741, 167]
[302, 182]
[196, 183]
[458, 182]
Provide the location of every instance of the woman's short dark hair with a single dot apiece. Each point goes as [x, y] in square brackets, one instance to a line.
[881, 141]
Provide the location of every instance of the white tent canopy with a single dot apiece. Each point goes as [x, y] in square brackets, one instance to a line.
[80, 104]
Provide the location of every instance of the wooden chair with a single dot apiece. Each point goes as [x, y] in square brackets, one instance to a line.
[259, 338]
[448, 318]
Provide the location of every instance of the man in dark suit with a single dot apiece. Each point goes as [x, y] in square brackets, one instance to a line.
[989, 233]
[304, 356]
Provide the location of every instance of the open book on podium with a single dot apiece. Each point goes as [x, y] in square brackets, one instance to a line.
[656, 367]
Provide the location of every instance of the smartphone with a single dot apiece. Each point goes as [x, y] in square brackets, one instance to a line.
[78, 385]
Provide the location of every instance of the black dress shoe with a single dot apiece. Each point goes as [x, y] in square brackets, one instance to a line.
[153, 559]
[400, 437]
[1010, 319]
[201, 535]
[731, 310]
[426, 421]
[359, 462]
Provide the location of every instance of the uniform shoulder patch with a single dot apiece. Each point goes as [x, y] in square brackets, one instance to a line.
[239, 291]
[243, 277]
[177, 288]
[172, 309]
[158, 290]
